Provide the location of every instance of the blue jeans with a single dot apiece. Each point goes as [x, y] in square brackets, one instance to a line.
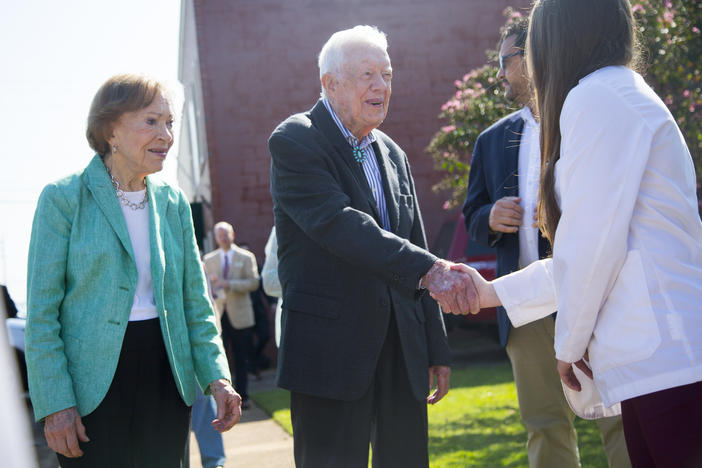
[208, 440]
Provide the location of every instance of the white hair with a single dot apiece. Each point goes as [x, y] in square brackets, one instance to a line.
[331, 57]
[224, 226]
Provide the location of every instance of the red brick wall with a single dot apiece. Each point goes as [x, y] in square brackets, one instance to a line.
[259, 65]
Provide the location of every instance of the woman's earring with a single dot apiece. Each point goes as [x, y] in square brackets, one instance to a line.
[114, 149]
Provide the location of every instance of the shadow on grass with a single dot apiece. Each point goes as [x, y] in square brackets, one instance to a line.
[481, 374]
[478, 450]
[482, 440]
[477, 424]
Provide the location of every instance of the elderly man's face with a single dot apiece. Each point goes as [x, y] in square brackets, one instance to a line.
[361, 93]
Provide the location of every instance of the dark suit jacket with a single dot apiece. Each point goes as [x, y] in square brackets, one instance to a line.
[341, 273]
[493, 175]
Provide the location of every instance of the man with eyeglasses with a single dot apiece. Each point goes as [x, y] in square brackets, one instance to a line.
[499, 211]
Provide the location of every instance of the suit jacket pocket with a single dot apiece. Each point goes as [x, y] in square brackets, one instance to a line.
[406, 200]
[312, 304]
[406, 214]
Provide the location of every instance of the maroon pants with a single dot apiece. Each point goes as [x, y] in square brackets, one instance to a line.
[664, 429]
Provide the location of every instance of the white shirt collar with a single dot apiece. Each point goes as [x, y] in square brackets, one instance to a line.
[527, 116]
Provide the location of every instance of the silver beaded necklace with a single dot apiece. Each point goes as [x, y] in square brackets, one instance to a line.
[123, 198]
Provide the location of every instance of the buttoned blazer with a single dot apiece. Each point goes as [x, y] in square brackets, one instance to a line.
[241, 280]
[493, 175]
[341, 273]
[81, 283]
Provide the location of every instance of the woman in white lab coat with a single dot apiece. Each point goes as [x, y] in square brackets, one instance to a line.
[618, 203]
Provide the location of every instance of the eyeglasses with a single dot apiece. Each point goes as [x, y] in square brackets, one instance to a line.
[502, 58]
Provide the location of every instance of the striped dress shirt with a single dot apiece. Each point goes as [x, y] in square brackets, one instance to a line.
[370, 164]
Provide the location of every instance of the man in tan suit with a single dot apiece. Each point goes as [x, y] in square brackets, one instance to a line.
[234, 274]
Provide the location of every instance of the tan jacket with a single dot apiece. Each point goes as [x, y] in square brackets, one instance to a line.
[241, 280]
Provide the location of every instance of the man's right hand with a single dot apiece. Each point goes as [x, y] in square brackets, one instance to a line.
[452, 289]
[62, 430]
[506, 215]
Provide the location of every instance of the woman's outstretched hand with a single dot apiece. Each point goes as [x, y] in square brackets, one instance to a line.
[487, 297]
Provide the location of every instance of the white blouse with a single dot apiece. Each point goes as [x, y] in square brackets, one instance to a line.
[144, 305]
[626, 272]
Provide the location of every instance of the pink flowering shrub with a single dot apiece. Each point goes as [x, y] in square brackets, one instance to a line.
[477, 103]
[672, 63]
[672, 43]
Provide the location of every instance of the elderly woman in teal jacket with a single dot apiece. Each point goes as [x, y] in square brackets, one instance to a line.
[119, 324]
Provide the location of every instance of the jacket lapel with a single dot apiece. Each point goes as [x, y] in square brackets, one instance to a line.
[98, 182]
[391, 186]
[324, 122]
[158, 206]
[512, 138]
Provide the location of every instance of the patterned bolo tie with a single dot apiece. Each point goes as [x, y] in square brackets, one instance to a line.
[359, 154]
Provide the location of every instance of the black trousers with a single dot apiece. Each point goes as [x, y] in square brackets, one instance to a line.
[238, 345]
[336, 434]
[142, 422]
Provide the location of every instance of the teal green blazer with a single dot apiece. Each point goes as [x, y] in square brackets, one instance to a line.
[80, 286]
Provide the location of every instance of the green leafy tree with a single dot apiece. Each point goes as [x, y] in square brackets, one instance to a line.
[672, 47]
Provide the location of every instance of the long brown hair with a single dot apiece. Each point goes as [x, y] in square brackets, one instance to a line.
[567, 40]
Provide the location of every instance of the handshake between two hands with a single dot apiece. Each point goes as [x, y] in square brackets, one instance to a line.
[458, 288]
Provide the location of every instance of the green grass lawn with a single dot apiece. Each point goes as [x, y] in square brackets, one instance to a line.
[476, 424]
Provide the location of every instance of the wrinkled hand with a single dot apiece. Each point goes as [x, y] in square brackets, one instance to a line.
[228, 405]
[565, 370]
[487, 297]
[442, 374]
[63, 429]
[452, 289]
[506, 215]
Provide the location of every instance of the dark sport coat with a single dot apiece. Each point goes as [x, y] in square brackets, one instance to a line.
[493, 175]
[341, 273]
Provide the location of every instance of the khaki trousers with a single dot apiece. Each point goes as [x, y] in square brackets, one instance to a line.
[552, 440]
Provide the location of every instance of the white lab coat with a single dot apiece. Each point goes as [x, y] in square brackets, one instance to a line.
[626, 272]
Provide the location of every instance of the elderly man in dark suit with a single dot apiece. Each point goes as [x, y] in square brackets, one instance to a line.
[361, 341]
